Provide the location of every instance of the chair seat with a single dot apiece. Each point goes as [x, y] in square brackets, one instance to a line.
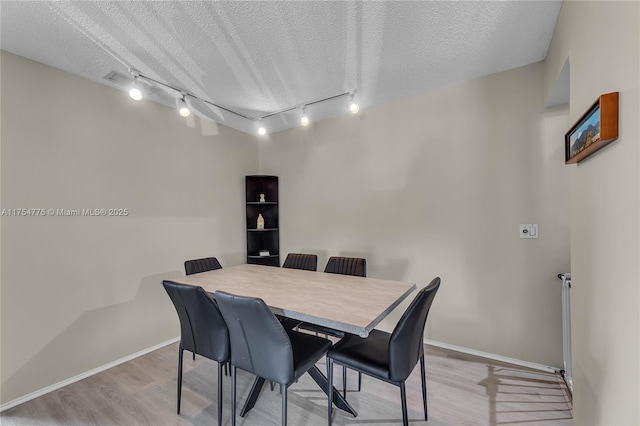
[288, 323]
[370, 355]
[307, 350]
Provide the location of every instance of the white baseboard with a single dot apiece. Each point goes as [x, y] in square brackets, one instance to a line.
[494, 357]
[84, 375]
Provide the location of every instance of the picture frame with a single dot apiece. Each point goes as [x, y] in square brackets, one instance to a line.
[594, 130]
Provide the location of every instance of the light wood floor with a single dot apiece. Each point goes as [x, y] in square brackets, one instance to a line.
[462, 390]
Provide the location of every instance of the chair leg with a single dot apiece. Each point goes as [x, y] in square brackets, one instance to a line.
[180, 355]
[233, 395]
[424, 386]
[194, 355]
[330, 386]
[344, 382]
[283, 391]
[403, 396]
[219, 394]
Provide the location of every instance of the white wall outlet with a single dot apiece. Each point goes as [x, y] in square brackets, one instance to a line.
[529, 230]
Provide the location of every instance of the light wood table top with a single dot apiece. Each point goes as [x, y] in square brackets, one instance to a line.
[351, 304]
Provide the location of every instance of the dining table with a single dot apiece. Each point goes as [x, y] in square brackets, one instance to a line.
[350, 304]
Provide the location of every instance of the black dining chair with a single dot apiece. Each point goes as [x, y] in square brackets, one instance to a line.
[355, 266]
[389, 357]
[261, 346]
[306, 262]
[202, 330]
[196, 266]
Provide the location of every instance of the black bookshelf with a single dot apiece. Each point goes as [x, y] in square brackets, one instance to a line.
[266, 239]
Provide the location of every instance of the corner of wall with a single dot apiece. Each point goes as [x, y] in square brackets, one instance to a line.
[557, 55]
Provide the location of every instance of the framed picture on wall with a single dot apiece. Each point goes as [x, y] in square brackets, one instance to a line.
[597, 128]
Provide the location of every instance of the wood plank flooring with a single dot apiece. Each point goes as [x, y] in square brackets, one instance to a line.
[462, 390]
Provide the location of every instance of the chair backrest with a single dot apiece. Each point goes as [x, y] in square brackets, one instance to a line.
[307, 262]
[347, 266]
[259, 343]
[406, 342]
[202, 328]
[196, 266]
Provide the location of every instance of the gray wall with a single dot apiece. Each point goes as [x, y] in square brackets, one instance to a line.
[79, 292]
[431, 185]
[602, 42]
[437, 184]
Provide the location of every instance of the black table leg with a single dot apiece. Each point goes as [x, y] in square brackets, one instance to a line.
[338, 399]
[317, 376]
[253, 396]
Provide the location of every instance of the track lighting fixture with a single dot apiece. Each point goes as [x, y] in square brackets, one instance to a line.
[304, 120]
[185, 102]
[183, 109]
[353, 105]
[135, 93]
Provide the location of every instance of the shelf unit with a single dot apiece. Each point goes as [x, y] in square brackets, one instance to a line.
[269, 237]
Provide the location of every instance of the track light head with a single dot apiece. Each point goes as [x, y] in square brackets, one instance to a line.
[261, 129]
[353, 105]
[304, 120]
[185, 112]
[183, 109]
[135, 93]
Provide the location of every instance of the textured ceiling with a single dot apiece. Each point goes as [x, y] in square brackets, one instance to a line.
[256, 57]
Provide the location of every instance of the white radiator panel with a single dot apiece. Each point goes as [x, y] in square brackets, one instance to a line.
[566, 328]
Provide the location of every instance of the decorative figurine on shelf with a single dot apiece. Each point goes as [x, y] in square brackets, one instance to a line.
[260, 221]
[262, 200]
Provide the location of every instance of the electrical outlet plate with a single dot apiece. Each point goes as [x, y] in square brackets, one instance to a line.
[529, 230]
